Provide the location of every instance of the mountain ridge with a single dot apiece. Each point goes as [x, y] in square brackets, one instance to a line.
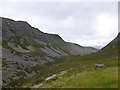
[25, 48]
[19, 21]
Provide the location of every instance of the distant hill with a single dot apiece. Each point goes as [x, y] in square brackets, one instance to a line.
[25, 49]
[110, 51]
[95, 70]
[100, 68]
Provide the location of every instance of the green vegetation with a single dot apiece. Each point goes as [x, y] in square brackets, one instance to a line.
[5, 44]
[83, 70]
[75, 67]
[78, 67]
[33, 56]
[102, 78]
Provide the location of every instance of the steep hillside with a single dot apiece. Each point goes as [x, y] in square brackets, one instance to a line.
[110, 51]
[79, 50]
[100, 68]
[26, 49]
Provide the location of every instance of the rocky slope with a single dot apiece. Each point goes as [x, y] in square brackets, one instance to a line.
[25, 48]
[101, 61]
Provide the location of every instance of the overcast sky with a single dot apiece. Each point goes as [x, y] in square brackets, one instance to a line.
[86, 23]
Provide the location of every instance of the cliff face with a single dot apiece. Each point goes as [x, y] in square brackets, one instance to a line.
[25, 47]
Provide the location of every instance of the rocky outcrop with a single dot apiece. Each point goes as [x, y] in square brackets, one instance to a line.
[25, 48]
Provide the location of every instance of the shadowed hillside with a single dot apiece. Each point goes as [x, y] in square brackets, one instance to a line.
[96, 70]
[26, 49]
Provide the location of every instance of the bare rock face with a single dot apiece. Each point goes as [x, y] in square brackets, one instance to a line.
[17, 48]
[25, 48]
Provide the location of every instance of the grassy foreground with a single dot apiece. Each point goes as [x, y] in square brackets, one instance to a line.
[81, 71]
[87, 75]
[80, 74]
[101, 78]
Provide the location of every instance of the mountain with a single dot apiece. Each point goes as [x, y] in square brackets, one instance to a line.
[25, 51]
[110, 51]
[100, 68]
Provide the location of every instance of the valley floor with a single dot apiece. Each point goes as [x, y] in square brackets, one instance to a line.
[77, 73]
[101, 78]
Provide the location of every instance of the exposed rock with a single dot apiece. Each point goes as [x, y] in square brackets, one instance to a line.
[37, 86]
[50, 52]
[25, 48]
[63, 72]
[50, 77]
[17, 48]
[99, 65]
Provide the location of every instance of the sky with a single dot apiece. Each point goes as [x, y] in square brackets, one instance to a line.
[92, 24]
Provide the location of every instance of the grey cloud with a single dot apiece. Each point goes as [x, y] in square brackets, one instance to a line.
[74, 22]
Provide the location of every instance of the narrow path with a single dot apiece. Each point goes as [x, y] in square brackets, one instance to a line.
[48, 78]
[37, 86]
